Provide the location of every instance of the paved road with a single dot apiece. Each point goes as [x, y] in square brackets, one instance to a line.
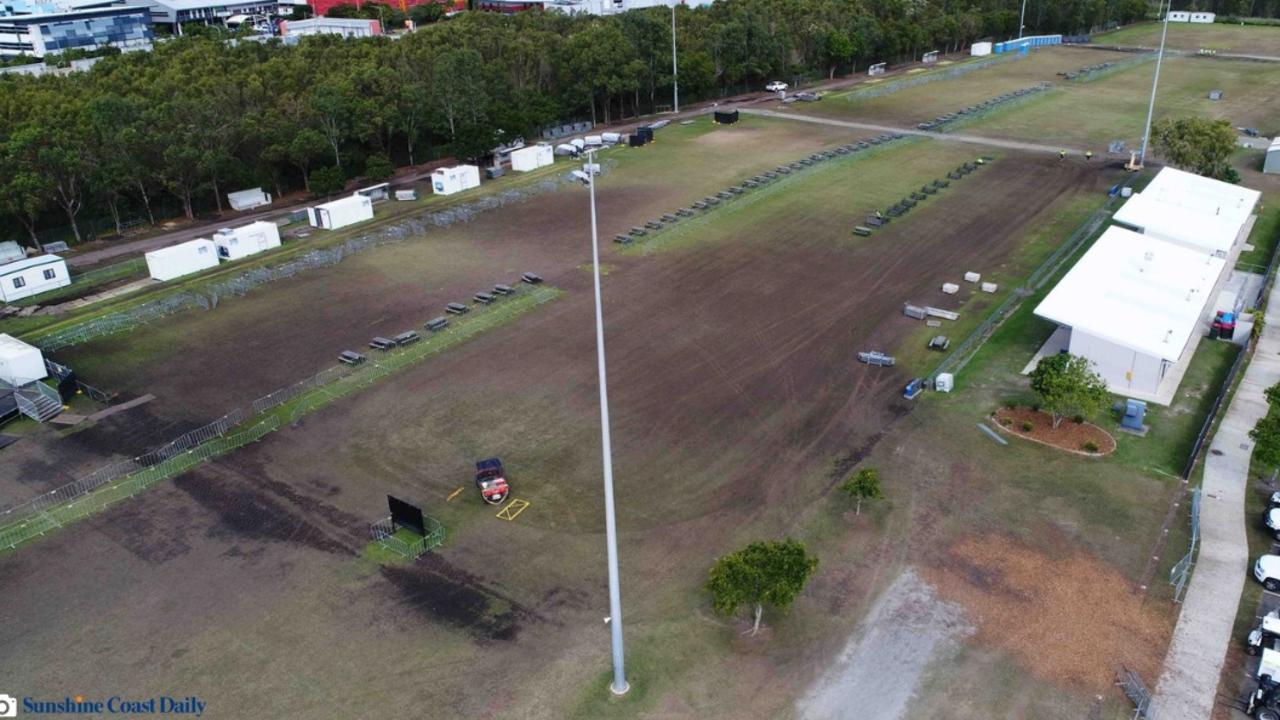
[946, 137]
[1188, 686]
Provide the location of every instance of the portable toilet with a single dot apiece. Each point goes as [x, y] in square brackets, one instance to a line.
[945, 382]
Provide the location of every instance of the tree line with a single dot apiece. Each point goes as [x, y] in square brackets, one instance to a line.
[208, 113]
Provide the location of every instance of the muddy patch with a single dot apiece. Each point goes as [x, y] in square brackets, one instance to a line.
[441, 592]
[875, 676]
[241, 511]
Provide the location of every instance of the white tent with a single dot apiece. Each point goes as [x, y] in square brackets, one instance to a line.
[248, 199]
[532, 158]
[246, 240]
[182, 259]
[20, 363]
[32, 276]
[1133, 304]
[1272, 163]
[341, 212]
[450, 180]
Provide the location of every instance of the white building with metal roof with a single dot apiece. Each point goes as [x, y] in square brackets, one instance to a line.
[1134, 305]
[32, 276]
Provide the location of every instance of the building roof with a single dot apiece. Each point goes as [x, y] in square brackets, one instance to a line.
[350, 200]
[180, 248]
[1185, 226]
[1206, 195]
[1137, 291]
[1275, 145]
[28, 263]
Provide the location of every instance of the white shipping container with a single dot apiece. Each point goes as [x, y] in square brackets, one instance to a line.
[450, 180]
[248, 199]
[341, 212]
[611, 137]
[950, 288]
[20, 363]
[240, 242]
[532, 158]
[972, 277]
[185, 258]
[979, 49]
[989, 287]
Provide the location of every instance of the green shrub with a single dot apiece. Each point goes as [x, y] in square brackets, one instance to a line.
[1078, 419]
[1027, 427]
[1089, 446]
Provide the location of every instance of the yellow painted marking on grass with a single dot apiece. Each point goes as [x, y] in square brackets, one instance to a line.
[454, 494]
[912, 71]
[512, 510]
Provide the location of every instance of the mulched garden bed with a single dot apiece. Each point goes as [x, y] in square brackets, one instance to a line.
[1071, 436]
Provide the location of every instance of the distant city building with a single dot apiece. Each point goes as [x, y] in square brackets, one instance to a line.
[346, 27]
[44, 28]
[581, 7]
[320, 7]
[175, 12]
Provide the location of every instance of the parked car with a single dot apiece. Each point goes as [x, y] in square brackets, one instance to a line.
[776, 86]
[1267, 572]
[808, 96]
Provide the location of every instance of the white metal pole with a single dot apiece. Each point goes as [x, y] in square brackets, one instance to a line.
[619, 685]
[675, 75]
[1155, 82]
[1022, 19]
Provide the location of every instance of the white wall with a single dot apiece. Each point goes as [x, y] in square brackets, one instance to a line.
[16, 284]
[1202, 17]
[447, 181]
[1179, 16]
[1121, 367]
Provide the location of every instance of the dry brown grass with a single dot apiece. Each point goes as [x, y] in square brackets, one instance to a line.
[1070, 619]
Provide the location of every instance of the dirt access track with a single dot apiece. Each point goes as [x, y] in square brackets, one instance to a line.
[733, 388]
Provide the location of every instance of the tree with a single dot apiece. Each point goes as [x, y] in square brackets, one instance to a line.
[328, 180]
[307, 147]
[1200, 145]
[1266, 436]
[864, 485]
[378, 167]
[763, 573]
[1067, 385]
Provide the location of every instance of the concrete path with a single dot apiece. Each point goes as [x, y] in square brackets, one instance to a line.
[1189, 684]
[946, 137]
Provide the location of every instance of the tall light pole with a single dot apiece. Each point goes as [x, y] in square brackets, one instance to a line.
[675, 76]
[1155, 82]
[1022, 19]
[619, 685]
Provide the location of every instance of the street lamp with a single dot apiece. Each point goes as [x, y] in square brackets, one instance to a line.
[1022, 19]
[1155, 82]
[675, 76]
[619, 685]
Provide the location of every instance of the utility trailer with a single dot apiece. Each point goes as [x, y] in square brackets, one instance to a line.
[350, 358]
[875, 357]
[483, 297]
[1264, 703]
[437, 324]
[491, 481]
[381, 343]
[457, 308]
[408, 337]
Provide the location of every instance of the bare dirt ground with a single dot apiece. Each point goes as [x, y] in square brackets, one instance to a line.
[733, 391]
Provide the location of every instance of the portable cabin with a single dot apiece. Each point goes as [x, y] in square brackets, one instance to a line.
[247, 240]
[20, 363]
[248, 199]
[532, 158]
[341, 212]
[376, 193]
[32, 276]
[450, 180]
[185, 258]
[980, 49]
[11, 251]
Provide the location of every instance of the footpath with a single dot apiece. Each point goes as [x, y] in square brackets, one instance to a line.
[1188, 687]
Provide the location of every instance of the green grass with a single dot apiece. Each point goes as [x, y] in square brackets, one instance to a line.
[1244, 39]
[1263, 238]
[1093, 114]
[83, 283]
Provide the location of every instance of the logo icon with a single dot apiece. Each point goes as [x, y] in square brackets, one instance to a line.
[8, 706]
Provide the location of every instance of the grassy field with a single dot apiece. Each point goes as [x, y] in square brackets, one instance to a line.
[1243, 39]
[1114, 108]
[737, 407]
